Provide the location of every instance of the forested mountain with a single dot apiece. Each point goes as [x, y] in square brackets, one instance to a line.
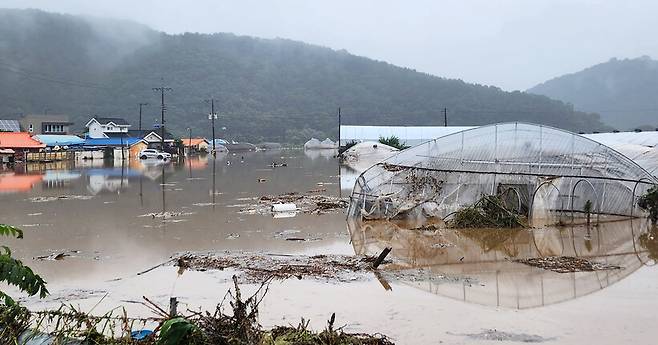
[624, 92]
[265, 89]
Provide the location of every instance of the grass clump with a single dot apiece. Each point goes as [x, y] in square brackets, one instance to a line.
[488, 212]
[393, 141]
[301, 335]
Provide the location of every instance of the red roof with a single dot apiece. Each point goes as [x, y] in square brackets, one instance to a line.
[19, 140]
[193, 142]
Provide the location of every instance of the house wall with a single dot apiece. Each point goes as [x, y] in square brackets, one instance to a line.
[38, 124]
[96, 130]
[109, 128]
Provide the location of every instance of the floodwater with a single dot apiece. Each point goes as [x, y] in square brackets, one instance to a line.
[466, 288]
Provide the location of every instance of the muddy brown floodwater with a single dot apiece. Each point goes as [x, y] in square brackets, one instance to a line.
[90, 229]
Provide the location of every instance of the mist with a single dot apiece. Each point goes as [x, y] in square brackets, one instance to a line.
[510, 44]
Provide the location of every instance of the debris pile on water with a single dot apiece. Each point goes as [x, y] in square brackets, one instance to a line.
[166, 214]
[567, 264]
[257, 267]
[60, 197]
[307, 203]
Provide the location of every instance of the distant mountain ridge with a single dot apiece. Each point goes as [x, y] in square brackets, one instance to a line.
[264, 89]
[624, 92]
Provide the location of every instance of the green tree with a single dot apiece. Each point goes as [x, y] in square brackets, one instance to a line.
[13, 272]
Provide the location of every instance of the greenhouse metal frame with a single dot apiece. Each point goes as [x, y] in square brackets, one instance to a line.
[543, 172]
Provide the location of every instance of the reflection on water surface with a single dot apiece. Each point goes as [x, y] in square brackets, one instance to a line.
[486, 257]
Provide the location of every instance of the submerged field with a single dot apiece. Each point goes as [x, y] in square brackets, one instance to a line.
[92, 232]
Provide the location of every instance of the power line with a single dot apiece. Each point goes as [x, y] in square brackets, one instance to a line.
[33, 75]
[163, 108]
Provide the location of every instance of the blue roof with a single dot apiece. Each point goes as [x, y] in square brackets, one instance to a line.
[59, 140]
[111, 141]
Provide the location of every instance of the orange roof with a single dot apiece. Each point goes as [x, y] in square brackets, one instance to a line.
[193, 142]
[19, 140]
[18, 183]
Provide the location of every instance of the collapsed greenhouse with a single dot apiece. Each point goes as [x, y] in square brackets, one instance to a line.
[544, 174]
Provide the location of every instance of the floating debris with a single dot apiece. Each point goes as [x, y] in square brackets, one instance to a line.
[57, 256]
[442, 245]
[203, 204]
[232, 236]
[495, 335]
[61, 197]
[307, 203]
[166, 214]
[567, 264]
[258, 267]
[35, 214]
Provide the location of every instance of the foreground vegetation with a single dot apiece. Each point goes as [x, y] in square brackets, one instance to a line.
[66, 325]
[13, 272]
[240, 327]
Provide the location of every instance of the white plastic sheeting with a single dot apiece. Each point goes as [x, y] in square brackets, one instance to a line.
[412, 135]
[315, 144]
[547, 171]
[644, 156]
[364, 155]
[638, 138]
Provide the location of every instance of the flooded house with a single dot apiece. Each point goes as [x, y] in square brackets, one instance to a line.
[153, 138]
[117, 128]
[118, 148]
[21, 143]
[196, 145]
[106, 127]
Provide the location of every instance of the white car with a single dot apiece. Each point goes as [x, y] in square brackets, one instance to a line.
[153, 153]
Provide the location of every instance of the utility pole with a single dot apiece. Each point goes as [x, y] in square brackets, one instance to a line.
[163, 108]
[189, 144]
[339, 128]
[140, 114]
[445, 117]
[212, 117]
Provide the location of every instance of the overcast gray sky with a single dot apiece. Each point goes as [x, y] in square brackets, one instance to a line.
[513, 44]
